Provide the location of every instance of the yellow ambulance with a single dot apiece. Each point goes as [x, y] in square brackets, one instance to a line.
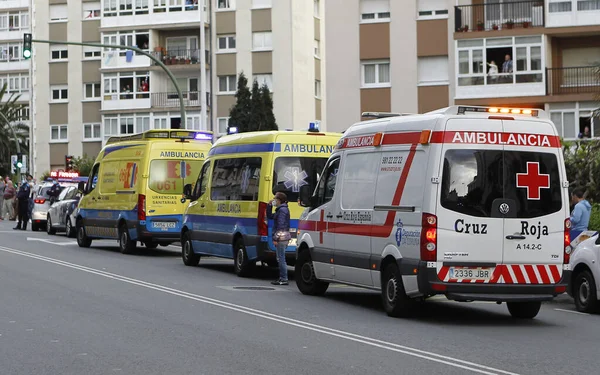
[134, 192]
[227, 214]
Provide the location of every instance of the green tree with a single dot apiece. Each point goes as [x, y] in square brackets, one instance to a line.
[269, 117]
[83, 165]
[257, 111]
[11, 114]
[239, 114]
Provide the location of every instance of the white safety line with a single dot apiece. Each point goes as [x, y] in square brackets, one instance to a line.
[447, 360]
[572, 312]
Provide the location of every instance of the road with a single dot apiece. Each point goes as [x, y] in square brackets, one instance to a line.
[67, 310]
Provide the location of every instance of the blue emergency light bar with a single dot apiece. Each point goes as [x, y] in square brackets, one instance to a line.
[313, 127]
[232, 130]
[203, 136]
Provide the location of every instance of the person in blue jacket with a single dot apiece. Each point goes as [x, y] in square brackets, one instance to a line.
[580, 217]
[281, 233]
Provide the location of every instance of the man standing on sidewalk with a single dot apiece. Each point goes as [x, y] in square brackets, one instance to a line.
[2, 186]
[23, 198]
[9, 198]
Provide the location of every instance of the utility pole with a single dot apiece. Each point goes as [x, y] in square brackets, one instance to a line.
[203, 101]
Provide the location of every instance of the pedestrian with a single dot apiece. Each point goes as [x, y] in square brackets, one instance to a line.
[2, 186]
[23, 204]
[54, 191]
[9, 198]
[31, 182]
[281, 233]
[580, 217]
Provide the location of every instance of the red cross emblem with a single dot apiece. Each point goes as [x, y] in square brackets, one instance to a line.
[533, 181]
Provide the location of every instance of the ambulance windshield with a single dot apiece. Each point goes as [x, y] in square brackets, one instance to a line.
[473, 179]
[291, 173]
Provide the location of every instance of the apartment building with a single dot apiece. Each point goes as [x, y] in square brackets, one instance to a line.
[277, 42]
[14, 70]
[419, 55]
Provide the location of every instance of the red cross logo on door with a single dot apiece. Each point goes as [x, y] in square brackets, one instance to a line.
[533, 181]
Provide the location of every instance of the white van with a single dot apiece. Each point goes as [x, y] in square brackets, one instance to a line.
[468, 202]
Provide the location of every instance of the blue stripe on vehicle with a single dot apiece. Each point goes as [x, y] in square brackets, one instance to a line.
[110, 149]
[259, 147]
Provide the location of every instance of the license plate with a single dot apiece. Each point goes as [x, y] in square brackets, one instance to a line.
[470, 273]
[164, 225]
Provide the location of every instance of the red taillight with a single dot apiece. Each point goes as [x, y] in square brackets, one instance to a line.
[141, 207]
[262, 224]
[560, 289]
[567, 242]
[429, 238]
[39, 200]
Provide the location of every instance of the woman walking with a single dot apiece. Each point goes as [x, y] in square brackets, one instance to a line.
[281, 233]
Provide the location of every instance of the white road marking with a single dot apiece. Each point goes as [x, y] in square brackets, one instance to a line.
[572, 312]
[52, 242]
[429, 356]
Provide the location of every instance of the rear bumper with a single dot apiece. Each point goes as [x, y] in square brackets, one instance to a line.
[146, 235]
[429, 284]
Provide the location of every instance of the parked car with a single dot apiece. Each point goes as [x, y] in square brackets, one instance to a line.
[59, 214]
[42, 202]
[585, 280]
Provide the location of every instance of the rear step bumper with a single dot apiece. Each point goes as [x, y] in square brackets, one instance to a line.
[463, 297]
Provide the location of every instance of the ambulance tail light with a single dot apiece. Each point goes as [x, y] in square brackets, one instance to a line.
[262, 224]
[141, 207]
[429, 238]
[567, 242]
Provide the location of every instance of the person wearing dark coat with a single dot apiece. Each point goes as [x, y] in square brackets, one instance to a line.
[23, 205]
[281, 233]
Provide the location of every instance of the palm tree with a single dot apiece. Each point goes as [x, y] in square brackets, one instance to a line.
[10, 110]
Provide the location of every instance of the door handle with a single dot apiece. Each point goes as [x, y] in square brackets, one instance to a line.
[339, 216]
[202, 205]
[515, 237]
[329, 215]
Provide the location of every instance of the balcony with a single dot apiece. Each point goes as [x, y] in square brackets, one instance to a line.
[8, 63]
[499, 16]
[125, 100]
[502, 85]
[179, 56]
[14, 4]
[157, 13]
[116, 59]
[171, 99]
[569, 13]
[576, 80]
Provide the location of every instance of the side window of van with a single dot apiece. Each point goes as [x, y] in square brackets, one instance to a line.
[202, 183]
[328, 182]
[93, 181]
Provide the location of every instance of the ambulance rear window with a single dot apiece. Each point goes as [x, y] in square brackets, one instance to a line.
[473, 179]
[291, 173]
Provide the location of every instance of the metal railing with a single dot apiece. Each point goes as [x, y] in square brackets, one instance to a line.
[499, 16]
[171, 100]
[176, 56]
[575, 80]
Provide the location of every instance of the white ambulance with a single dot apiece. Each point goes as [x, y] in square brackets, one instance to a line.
[468, 202]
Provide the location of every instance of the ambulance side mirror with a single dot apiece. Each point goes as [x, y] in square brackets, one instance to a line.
[187, 193]
[81, 187]
[304, 198]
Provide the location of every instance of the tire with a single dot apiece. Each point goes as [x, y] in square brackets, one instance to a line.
[524, 310]
[150, 245]
[126, 245]
[82, 239]
[188, 256]
[306, 280]
[70, 231]
[584, 293]
[395, 301]
[34, 227]
[51, 231]
[241, 264]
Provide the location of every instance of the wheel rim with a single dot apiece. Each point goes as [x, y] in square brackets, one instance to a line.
[307, 272]
[391, 290]
[186, 250]
[240, 258]
[80, 234]
[584, 291]
[49, 225]
[124, 240]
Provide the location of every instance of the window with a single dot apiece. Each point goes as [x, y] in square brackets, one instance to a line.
[226, 4]
[160, 123]
[92, 132]
[134, 38]
[327, 182]
[111, 126]
[583, 5]
[226, 43]
[466, 191]
[433, 70]
[91, 184]
[264, 79]
[17, 83]
[91, 10]
[58, 12]
[24, 114]
[262, 41]
[433, 9]
[142, 123]
[291, 173]
[375, 10]
[58, 133]
[92, 53]
[58, 52]
[236, 179]
[126, 125]
[13, 21]
[317, 8]
[376, 74]
[126, 85]
[223, 124]
[358, 173]
[560, 6]
[202, 182]
[92, 91]
[10, 52]
[227, 84]
[59, 93]
[317, 49]
[261, 4]
[317, 89]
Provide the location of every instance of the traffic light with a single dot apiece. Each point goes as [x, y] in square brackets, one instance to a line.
[19, 163]
[68, 163]
[26, 46]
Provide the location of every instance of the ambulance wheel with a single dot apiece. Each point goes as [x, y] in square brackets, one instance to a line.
[187, 252]
[82, 238]
[524, 310]
[69, 229]
[395, 301]
[241, 264]
[150, 245]
[306, 280]
[51, 231]
[126, 245]
[584, 293]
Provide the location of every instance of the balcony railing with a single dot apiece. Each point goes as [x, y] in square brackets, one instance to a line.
[171, 99]
[180, 56]
[576, 80]
[499, 16]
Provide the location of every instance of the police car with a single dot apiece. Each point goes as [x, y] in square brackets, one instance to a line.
[467, 202]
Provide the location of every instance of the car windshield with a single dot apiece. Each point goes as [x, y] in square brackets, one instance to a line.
[291, 173]
[44, 191]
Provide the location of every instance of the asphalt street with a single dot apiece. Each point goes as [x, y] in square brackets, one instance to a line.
[67, 310]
